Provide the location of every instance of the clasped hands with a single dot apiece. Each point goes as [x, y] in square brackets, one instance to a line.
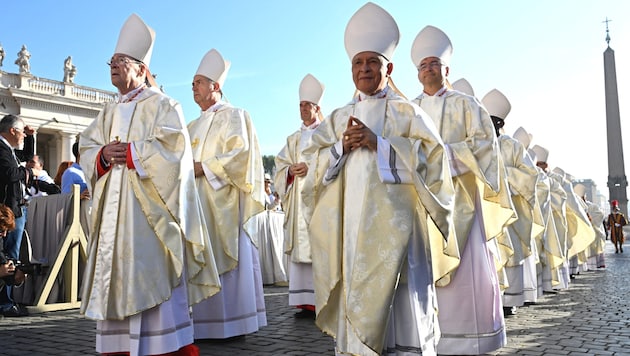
[357, 135]
[298, 169]
[115, 152]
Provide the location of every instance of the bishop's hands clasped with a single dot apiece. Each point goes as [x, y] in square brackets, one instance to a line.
[298, 169]
[358, 135]
[115, 152]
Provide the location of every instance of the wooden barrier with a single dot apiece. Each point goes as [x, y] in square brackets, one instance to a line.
[64, 271]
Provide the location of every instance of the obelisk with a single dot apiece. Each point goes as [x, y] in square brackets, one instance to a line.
[617, 181]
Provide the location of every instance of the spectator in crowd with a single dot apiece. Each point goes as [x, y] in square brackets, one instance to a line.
[9, 274]
[17, 145]
[74, 175]
[43, 184]
[60, 169]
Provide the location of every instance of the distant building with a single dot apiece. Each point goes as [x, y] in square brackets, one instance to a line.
[57, 110]
[592, 193]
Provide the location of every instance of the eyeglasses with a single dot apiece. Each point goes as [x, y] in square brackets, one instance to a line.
[21, 131]
[121, 61]
[431, 64]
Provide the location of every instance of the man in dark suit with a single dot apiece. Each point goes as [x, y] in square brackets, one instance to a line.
[16, 145]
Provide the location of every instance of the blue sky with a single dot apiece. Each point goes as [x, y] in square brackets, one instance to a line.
[545, 56]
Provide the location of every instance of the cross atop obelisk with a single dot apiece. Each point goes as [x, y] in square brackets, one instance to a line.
[607, 34]
[617, 181]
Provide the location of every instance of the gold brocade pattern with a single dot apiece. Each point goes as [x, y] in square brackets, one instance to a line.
[361, 228]
[228, 147]
[522, 177]
[467, 129]
[143, 227]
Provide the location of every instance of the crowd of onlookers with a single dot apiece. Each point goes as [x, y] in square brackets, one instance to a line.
[23, 178]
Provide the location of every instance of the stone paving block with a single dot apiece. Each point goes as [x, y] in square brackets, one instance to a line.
[592, 317]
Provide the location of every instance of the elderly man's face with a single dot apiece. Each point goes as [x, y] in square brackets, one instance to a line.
[370, 71]
[126, 73]
[16, 139]
[308, 112]
[431, 71]
[203, 89]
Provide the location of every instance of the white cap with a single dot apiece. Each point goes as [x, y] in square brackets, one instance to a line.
[541, 153]
[214, 67]
[522, 136]
[579, 189]
[497, 104]
[464, 86]
[136, 40]
[371, 29]
[267, 177]
[431, 42]
[311, 89]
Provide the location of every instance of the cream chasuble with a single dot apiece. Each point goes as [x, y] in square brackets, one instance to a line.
[597, 216]
[232, 190]
[296, 242]
[559, 211]
[580, 233]
[143, 226]
[476, 166]
[372, 219]
[549, 247]
[522, 177]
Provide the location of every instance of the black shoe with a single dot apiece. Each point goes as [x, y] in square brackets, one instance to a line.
[507, 311]
[14, 311]
[305, 314]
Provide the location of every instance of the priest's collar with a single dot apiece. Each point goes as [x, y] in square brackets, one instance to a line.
[131, 95]
[311, 126]
[216, 106]
[438, 93]
[379, 95]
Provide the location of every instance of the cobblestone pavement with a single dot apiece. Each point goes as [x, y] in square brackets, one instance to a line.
[590, 318]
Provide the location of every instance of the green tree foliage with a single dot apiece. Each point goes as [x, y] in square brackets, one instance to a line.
[269, 164]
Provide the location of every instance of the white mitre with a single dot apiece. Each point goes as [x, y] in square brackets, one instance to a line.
[431, 42]
[136, 40]
[214, 67]
[559, 171]
[579, 189]
[371, 29]
[497, 104]
[522, 136]
[311, 89]
[541, 153]
[464, 86]
[532, 155]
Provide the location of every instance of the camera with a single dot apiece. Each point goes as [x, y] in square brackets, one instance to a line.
[26, 267]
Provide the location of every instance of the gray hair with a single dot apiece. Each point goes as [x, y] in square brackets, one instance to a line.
[8, 122]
